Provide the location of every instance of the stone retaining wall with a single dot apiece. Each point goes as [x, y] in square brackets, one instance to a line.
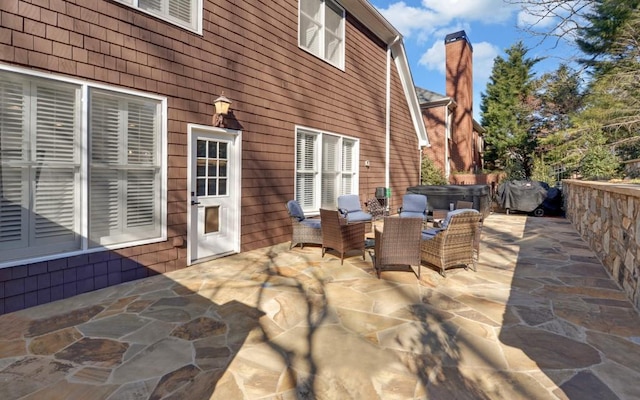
[607, 216]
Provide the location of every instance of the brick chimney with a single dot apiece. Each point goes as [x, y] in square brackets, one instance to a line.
[459, 86]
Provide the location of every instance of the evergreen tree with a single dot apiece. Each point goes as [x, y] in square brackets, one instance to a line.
[431, 175]
[506, 112]
[598, 37]
[614, 99]
[558, 99]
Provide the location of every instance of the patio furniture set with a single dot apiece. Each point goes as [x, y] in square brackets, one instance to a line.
[402, 240]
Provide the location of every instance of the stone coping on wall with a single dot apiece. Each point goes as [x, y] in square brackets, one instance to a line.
[620, 188]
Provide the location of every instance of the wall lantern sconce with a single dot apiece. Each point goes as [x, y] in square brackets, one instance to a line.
[221, 109]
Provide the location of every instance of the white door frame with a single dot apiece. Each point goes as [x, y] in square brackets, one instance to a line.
[235, 186]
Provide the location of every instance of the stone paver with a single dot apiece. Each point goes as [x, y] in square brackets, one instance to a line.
[540, 319]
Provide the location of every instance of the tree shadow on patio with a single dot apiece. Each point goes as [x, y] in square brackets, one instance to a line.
[565, 316]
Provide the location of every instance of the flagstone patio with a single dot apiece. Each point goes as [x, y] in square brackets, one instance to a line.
[540, 319]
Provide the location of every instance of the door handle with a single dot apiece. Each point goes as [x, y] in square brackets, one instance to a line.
[194, 203]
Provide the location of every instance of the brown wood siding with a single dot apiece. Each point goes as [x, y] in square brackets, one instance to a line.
[404, 163]
[249, 50]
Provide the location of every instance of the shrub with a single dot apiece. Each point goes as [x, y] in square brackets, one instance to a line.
[431, 175]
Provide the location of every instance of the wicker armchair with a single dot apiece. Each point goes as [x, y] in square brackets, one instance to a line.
[339, 236]
[463, 204]
[305, 230]
[453, 244]
[398, 244]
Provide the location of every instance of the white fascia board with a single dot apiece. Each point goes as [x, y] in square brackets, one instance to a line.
[400, 58]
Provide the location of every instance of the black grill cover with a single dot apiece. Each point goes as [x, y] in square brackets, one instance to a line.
[523, 196]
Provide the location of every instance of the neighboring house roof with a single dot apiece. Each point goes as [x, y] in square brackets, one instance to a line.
[366, 13]
[427, 96]
[428, 99]
[479, 128]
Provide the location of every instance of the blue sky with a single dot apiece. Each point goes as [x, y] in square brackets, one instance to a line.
[491, 26]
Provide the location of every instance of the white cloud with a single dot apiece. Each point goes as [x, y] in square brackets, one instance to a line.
[434, 58]
[527, 20]
[410, 20]
[483, 55]
[423, 20]
[487, 11]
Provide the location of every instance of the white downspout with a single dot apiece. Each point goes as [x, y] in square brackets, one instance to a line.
[447, 134]
[387, 146]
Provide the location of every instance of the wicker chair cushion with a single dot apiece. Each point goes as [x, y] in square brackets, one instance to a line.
[349, 203]
[358, 216]
[311, 223]
[427, 234]
[415, 204]
[349, 207]
[295, 210]
[450, 214]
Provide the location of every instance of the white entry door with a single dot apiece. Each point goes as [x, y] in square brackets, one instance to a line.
[214, 192]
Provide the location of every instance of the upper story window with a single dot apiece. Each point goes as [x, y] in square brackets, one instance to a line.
[326, 167]
[184, 13]
[321, 30]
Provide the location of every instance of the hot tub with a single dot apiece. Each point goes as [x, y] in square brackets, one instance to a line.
[440, 196]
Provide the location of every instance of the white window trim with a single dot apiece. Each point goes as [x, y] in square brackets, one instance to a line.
[318, 155]
[196, 27]
[84, 167]
[322, 56]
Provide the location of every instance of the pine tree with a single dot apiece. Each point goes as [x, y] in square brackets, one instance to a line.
[598, 38]
[506, 112]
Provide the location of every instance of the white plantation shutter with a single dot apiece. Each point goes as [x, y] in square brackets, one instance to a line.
[124, 171]
[54, 206]
[306, 169]
[330, 168]
[180, 11]
[141, 199]
[57, 165]
[346, 186]
[14, 199]
[151, 5]
[14, 213]
[105, 156]
[39, 160]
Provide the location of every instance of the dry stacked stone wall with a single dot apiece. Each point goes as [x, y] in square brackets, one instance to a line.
[607, 217]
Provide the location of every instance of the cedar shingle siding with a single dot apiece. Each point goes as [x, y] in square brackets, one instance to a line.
[249, 50]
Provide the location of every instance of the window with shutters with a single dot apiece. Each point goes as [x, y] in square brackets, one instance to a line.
[321, 30]
[124, 169]
[184, 13]
[59, 165]
[326, 167]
